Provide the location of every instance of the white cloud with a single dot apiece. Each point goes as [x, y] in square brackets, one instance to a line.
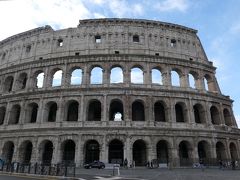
[122, 8]
[171, 5]
[97, 15]
[19, 16]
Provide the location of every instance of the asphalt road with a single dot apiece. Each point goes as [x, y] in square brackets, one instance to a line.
[13, 177]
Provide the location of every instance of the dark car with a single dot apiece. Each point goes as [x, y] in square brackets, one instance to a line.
[95, 164]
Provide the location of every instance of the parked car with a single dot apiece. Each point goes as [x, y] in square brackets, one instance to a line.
[95, 164]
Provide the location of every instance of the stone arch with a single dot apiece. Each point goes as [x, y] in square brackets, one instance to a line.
[116, 75]
[215, 115]
[94, 110]
[138, 111]
[72, 110]
[38, 79]
[68, 151]
[115, 151]
[162, 149]
[8, 84]
[91, 151]
[76, 76]
[233, 151]
[56, 77]
[31, 113]
[2, 114]
[137, 75]
[21, 81]
[25, 151]
[157, 76]
[7, 151]
[176, 75]
[204, 151]
[184, 151]
[96, 75]
[199, 113]
[160, 111]
[181, 112]
[51, 111]
[15, 114]
[227, 117]
[139, 152]
[46, 151]
[221, 151]
[116, 112]
[210, 84]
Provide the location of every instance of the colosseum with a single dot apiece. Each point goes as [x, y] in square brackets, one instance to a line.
[109, 90]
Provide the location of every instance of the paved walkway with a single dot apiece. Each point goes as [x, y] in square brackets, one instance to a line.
[166, 174]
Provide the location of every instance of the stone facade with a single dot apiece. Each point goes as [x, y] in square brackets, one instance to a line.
[45, 122]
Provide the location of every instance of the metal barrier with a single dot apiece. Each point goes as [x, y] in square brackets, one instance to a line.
[41, 169]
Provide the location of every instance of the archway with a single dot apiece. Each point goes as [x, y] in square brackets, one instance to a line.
[26, 152]
[184, 153]
[215, 116]
[138, 113]
[139, 153]
[199, 114]
[8, 150]
[72, 112]
[94, 110]
[220, 151]
[116, 107]
[115, 152]
[47, 152]
[68, 151]
[233, 151]
[162, 152]
[159, 112]
[92, 151]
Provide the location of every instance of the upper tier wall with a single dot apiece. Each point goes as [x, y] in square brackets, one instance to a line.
[116, 36]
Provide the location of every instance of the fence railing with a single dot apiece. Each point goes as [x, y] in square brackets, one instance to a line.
[40, 169]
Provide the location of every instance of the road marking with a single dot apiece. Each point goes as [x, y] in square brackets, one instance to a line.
[29, 177]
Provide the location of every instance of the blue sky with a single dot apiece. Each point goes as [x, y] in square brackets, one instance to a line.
[217, 22]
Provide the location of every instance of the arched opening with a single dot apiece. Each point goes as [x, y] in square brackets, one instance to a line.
[116, 111]
[136, 38]
[159, 112]
[72, 113]
[199, 113]
[162, 152]
[184, 153]
[233, 151]
[115, 152]
[204, 151]
[94, 111]
[180, 112]
[52, 112]
[57, 78]
[175, 78]
[68, 152]
[156, 76]
[39, 79]
[21, 81]
[139, 153]
[138, 113]
[31, 114]
[137, 76]
[26, 152]
[192, 83]
[205, 82]
[220, 151]
[227, 117]
[215, 116]
[8, 84]
[116, 75]
[96, 75]
[47, 152]
[209, 82]
[7, 152]
[15, 114]
[76, 76]
[2, 114]
[92, 151]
